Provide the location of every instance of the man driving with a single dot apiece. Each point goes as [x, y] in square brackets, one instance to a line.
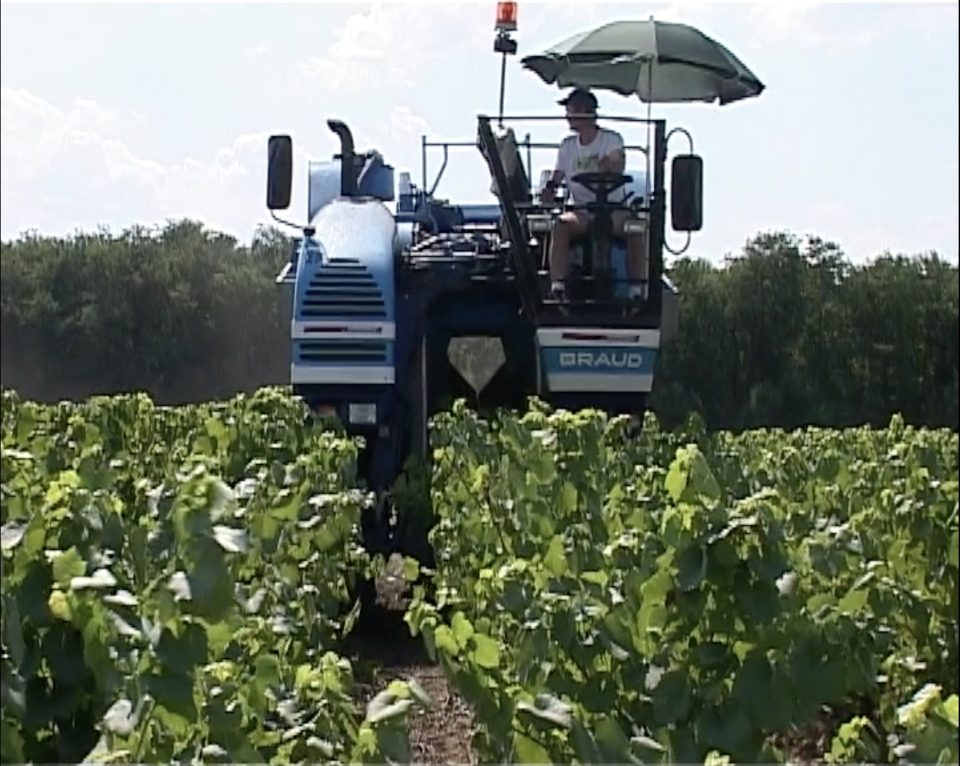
[591, 148]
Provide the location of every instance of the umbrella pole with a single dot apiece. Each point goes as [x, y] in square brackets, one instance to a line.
[649, 117]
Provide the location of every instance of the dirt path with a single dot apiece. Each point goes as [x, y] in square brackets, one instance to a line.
[441, 734]
[383, 650]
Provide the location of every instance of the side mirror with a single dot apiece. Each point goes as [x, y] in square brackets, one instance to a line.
[686, 193]
[279, 172]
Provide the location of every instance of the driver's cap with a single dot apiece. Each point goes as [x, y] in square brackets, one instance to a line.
[582, 99]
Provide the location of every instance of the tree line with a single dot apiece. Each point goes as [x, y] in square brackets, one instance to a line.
[786, 333]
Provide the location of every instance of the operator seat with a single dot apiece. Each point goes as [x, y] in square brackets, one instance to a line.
[581, 246]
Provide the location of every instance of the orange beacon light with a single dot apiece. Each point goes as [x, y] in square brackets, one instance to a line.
[506, 16]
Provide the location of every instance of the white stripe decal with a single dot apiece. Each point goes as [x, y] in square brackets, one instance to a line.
[300, 330]
[361, 375]
[597, 336]
[590, 381]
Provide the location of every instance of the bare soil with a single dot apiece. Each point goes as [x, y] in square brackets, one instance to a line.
[384, 650]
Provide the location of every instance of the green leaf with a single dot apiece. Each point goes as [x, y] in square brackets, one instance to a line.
[951, 710]
[853, 602]
[394, 744]
[597, 578]
[60, 606]
[11, 534]
[690, 479]
[676, 481]
[11, 743]
[692, 566]
[67, 565]
[179, 585]
[13, 630]
[181, 654]
[751, 684]
[174, 694]
[267, 670]
[230, 539]
[585, 747]
[726, 729]
[652, 618]
[614, 745]
[486, 654]
[712, 654]
[547, 707]
[568, 498]
[757, 599]
[385, 706]
[671, 698]
[419, 693]
[411, 569]
[120, 718]
[526, 750]
[555, 560]
[13, 693]
[100, 580]
[657, 587]
[817, 602]
[462, 629]
[647, 744]
[444, 640]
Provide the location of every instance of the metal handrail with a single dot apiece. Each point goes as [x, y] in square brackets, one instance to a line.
[527, 144]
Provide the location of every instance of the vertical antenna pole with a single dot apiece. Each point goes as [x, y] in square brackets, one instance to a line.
[503, 83]
[504, 44]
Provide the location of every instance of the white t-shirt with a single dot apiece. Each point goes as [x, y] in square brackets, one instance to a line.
[574, 157]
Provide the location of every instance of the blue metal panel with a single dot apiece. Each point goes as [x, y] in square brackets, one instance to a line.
[323, 185]
[611, 360]
[353, 250]
[343, 352]
[481, 213]
[600, 359]
[344, 299]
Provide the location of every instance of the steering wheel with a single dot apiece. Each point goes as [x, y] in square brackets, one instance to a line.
[601, 184]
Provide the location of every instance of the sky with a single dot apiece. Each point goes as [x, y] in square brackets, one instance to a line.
[119, 114]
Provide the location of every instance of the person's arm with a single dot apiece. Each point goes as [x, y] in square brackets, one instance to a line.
[554, 180]
[615, 160]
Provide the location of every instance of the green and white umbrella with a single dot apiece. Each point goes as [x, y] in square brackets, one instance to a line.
[660, 62]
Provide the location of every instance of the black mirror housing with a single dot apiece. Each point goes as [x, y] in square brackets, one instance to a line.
[279, 172]
[686, 193]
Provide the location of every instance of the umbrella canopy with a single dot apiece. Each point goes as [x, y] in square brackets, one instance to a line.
[660, 62]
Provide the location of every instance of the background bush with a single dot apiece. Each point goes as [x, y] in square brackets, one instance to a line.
[786, 333]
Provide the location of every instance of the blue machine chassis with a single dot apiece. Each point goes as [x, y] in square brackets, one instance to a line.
[378, 296]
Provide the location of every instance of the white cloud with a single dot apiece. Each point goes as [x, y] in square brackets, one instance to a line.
[41, 142]
[69, 168]
[371, 48]
[338, 74]
[390, 46]
[808, 23]
[405, 122]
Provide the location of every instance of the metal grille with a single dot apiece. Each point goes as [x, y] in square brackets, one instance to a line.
[342, 288]
[342, 351]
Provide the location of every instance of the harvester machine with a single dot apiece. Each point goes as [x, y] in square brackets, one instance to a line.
[403, 302]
